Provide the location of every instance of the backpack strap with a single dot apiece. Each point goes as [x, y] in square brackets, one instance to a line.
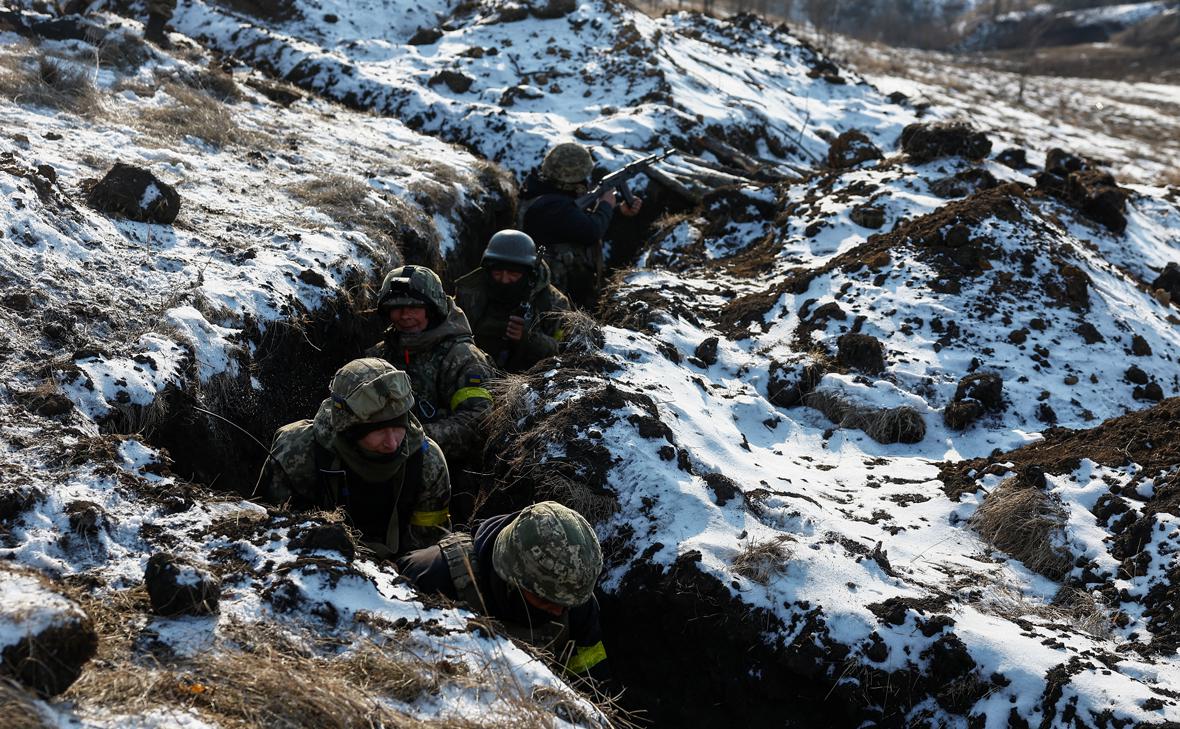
[459, 552]
[411, 487]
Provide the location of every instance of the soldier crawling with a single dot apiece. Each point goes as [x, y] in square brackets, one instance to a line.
[571, 236]
[514, 311]
[535, 571]
[430, 339]
[366, 452]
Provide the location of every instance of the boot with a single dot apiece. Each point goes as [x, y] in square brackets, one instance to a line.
[154, 31]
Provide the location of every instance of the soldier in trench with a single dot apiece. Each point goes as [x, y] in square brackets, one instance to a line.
[429, 338]
[535, 571]
[570, 235]
[514, 310]
[367, 453]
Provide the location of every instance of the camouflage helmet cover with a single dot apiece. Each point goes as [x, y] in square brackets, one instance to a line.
[412, 286]
[369, 390]
[549, 550]
[567, 164]
[510, 247]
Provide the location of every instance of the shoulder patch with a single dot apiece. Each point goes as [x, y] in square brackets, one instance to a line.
[474, 380]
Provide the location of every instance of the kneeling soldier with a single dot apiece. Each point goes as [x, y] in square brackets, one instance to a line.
[513, 309]
[366, 452]
[534, 570]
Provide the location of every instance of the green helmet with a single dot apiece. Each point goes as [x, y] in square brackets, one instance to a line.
[369, 390]
[567, 164]
[413, 286]
[510, 247]
[551, 551]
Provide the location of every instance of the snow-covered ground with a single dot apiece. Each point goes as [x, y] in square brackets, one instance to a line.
[849, 564]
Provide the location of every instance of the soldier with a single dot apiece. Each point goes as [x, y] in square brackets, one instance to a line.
[571, 236]
[366, 452]
[534, 570]
[159, 13]
[513, 309]
[430, 339]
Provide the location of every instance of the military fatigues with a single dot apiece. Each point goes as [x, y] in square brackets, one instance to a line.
[571, 236]
[488, 311]
[448, 371]
[576, 638]
[401, 503]
[449, 374]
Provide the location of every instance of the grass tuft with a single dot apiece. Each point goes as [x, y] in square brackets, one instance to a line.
[1025, 522]
[49, 80]
[196, 113]
[761, 561]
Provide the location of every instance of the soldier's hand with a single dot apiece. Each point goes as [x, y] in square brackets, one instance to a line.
[608, 197]
[515, 330]
[631, 210]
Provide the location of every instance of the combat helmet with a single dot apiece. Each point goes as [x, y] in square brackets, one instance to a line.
[413, 286]
[510, 248]
[551, 551]
[369, 390]
[567, 164]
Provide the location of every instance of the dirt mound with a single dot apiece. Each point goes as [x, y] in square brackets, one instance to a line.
[134, 193]
[1149, 438]
[861, 352]
[47, 637]
[926, 141]
[1169, 281]
[976, 394]
[179, 587]
[1077, 182]
[850, 149]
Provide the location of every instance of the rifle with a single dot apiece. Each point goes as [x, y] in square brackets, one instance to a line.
[526, 313]
[618, 180]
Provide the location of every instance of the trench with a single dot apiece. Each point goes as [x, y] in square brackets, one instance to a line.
[685, 651]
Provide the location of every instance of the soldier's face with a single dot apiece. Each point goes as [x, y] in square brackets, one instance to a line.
[385, 441]
[409, 319]
[504, 276]
[542, 604]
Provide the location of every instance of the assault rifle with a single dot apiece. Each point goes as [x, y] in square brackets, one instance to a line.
[618, 180]
[525, 311]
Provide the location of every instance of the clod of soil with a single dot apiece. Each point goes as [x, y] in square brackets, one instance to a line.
[850, 149]
[868, 216]
[787, 385]
[861, 352]
[926, 141]
[964, 183]
[179, 587]
[1015, 158]
[1140, 347]
[1151, 391]
[1169, 280]
[1092, 192]
[134, 193]
[457, 82]
[985, 387]
[706, 351]
[425, 36]
[1135, 376]
[55, 636]
[334, 537]
[553, 8]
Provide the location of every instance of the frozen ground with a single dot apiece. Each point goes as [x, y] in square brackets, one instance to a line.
[761, 556]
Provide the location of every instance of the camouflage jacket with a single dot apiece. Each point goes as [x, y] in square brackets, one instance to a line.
[578, 642]
[489, 318]
[449, 374]
[305, 472]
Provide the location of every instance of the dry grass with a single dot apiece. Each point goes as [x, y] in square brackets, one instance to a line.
[1071, 607]
[582, 333]
[761, 561]
[197, 113]
[1024, 522]
[886, 425]
[354, 204]
[19, 709]
[48, 80]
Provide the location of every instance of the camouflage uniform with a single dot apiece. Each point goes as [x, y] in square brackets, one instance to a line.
[403, 502]
[448, 371]
[546, 549]
[488, 312]
[571, 236]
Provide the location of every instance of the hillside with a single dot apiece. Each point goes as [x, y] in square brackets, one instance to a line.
[876, 422]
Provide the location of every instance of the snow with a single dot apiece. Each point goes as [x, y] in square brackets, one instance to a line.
[30, 608]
